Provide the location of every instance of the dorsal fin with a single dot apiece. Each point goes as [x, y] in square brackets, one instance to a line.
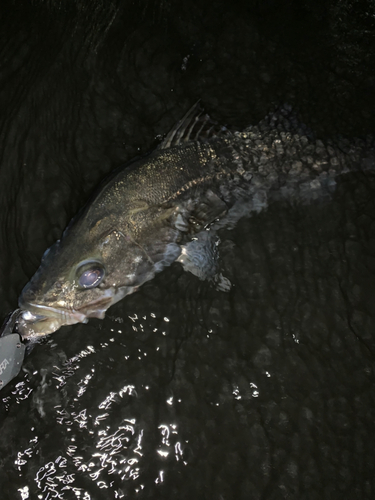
[195, 125]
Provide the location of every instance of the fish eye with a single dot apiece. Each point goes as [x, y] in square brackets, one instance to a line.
[90, 274]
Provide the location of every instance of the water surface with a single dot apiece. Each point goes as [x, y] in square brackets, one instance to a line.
[265, 392]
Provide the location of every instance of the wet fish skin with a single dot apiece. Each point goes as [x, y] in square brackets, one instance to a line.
[128, 229]
[147, 214]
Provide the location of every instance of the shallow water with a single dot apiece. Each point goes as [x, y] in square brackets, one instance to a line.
[265, 392]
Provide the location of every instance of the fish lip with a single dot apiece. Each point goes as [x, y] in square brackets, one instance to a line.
[31, 313]
[36, 320]
[38, 309]
[65, 314]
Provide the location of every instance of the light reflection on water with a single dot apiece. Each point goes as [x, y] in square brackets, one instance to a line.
[223, 387]
[103, 441]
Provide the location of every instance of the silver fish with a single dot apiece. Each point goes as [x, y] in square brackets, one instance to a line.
[168, 207]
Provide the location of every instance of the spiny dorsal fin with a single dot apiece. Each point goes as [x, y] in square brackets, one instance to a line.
[196, 125]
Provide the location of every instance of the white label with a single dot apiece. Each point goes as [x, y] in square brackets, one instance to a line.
[3, 365]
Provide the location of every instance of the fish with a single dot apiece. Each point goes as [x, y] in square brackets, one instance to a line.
[169, 205]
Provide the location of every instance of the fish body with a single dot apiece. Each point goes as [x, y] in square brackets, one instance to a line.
[157, 211]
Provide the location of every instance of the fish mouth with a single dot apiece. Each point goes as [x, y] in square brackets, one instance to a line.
[39, 320]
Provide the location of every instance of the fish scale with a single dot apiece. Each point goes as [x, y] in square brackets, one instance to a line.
[169, 205]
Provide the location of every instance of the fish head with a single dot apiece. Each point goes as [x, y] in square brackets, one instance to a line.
[80, 277]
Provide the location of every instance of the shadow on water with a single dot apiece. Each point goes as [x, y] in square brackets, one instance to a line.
[265, 392]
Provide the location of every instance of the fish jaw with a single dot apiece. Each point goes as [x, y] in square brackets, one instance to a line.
[37, 320]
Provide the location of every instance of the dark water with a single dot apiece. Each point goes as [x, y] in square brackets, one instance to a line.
[265, 392]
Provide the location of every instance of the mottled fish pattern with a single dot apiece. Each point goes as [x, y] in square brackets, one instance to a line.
[168, 206]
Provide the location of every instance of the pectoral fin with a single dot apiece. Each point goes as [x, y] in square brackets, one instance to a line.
[201, 258]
